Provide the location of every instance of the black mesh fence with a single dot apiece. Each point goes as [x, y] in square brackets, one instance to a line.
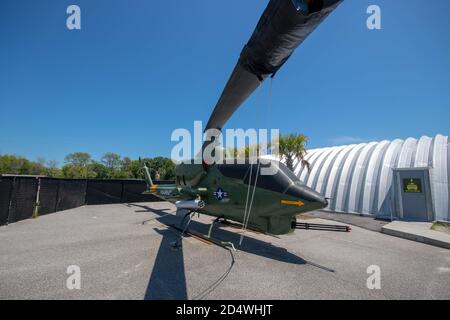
[48, 195]
[5, 196]
[19, 194]
[23, 198]
[118, 191]
[132, 191]
[71, 194]
[104, 191]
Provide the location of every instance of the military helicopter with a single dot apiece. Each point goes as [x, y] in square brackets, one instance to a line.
[239, 192]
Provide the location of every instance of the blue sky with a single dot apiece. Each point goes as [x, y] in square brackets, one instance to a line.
[138, 69]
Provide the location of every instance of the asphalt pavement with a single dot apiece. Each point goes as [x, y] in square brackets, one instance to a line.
[124, 251]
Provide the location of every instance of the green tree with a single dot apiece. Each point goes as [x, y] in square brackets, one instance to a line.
[132, 168]
[293, 146]
[77, 166]
[126, 169]
[163, 166]
[10, 164]
[80, 165]
[112, 161]
[36, 168]
[78, 158]
[101, 171]
[52, 169]
[76, 172]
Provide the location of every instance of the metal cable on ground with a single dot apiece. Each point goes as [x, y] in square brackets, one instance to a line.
[216, 283]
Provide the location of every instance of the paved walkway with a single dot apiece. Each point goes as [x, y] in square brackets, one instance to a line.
[418, 231]
[415, 231]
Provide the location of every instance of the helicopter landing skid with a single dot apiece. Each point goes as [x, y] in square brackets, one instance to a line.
[203, 238]
[176, 244]
[323, 227]
[212, 225]
[223, 243]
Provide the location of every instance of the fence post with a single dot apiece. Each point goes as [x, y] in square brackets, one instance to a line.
[86, 192]
[57, 195]
[11, 196]
[36, 204]
[121, 191]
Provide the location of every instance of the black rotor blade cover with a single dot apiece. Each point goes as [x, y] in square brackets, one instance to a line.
[281, 29]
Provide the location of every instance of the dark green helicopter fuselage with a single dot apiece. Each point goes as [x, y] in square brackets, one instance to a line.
[224, 189]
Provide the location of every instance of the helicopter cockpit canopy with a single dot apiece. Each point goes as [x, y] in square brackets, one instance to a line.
[283, 181]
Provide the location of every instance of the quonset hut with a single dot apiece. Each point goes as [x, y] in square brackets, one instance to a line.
[400, 179]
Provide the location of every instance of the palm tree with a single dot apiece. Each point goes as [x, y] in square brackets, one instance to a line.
[292, 146]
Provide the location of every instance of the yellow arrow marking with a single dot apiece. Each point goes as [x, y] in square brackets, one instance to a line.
[293, 203]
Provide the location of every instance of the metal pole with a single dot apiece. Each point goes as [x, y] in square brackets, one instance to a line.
[37, 204]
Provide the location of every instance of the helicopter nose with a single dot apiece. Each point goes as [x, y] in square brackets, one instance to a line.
[308, 194]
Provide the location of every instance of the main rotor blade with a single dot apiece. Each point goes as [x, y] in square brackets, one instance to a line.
[240, 85]
[283, 26]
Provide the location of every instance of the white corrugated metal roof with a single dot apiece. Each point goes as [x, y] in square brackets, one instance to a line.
[358, 178]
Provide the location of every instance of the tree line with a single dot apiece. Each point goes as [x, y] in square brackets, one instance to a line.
[113, 166]
[81, 165]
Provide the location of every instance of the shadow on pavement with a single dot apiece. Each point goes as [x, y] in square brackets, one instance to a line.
[168, 280]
